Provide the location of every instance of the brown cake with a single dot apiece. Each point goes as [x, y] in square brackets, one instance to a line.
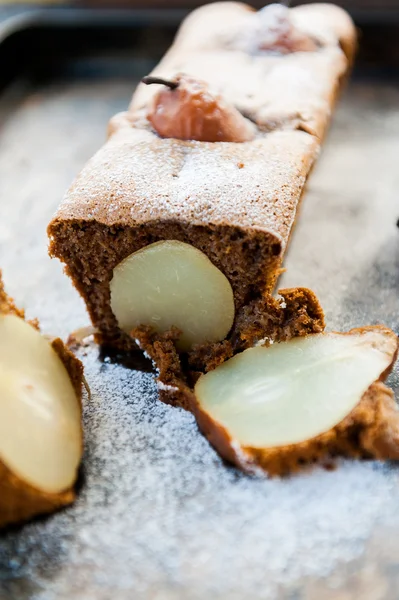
[276, 72]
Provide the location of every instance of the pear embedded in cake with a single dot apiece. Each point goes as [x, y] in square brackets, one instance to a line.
[172, 284]
[186, 109]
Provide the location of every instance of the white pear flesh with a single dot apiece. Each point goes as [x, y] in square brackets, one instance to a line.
[40, 416]
[170, 283]
[294, 391]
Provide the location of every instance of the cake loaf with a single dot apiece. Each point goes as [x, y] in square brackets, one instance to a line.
[176, 229]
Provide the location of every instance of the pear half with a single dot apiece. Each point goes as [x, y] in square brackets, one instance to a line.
[288, 404]
[171, 283]
[40, 419]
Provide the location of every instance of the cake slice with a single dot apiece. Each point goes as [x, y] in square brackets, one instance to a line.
[40, 418]
[309, 399]
[169, 232]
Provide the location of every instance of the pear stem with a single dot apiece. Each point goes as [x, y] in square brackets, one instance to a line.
[149, 80]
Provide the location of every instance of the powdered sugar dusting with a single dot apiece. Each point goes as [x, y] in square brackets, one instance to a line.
[264, 28]
[245, 461]
[160, 511]
[240, 54]
[165, 387]
[138, 177]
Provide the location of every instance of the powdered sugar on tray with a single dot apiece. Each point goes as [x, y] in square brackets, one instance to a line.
[158, 510]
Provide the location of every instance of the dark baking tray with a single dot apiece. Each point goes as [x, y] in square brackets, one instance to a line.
[159, 516]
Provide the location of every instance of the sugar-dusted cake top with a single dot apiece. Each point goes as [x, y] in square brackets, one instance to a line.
[139, 177]
[280, 67]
